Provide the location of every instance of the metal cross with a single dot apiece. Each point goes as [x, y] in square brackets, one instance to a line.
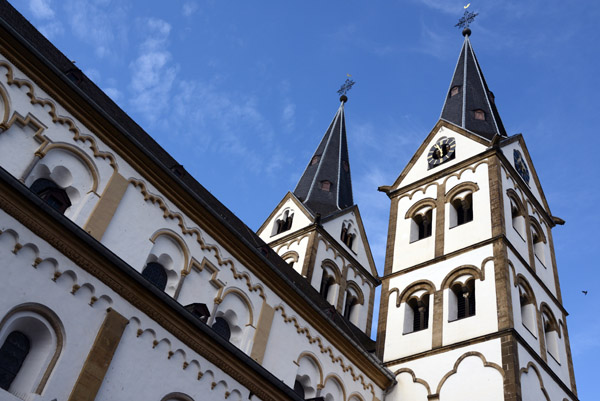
[346, 87]
[466, 19]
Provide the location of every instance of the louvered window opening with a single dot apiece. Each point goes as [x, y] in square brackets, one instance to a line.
[12, 355]
[52, 194]
[465, 300]
[464, 209]
[156, 274]
[420, 313]
[221, 327]
[423, 222]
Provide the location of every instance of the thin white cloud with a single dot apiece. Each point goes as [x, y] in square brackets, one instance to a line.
[114, 94]
[101, 24]
[52, 29]
[189, 8]
[41, 9]
[288, 116]
[153, 72]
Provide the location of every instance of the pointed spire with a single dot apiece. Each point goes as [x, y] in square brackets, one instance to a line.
[469, 102]
[325, 186]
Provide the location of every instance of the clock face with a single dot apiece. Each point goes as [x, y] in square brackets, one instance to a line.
[521, 166]
[442, 151]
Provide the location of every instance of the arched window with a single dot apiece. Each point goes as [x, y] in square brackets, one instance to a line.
[528, 312]
[284, 223]
[351, 302]
[462, 209]
[156, 274]
[347, 236]
[539, 242]
[479, 115]
[454, 91]
[464, 297]
[221, 327]
[421, 225]
[299, 388]
[326, 185]
[52, 194]
[326, 282]
[551, 334]
[417, 310]
[12, 355]
[315, 159]
[517, 213]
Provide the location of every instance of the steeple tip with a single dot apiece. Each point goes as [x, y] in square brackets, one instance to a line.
[343, 98]
[466, 31]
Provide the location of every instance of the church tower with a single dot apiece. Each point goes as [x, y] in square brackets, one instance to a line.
[470, 305]
[318, 230]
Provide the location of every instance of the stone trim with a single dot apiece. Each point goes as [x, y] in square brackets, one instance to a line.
[83, 250]
[308, 266]
[503, 288]
[510, 364]
[263, 329]
[106, 207]
[99, 358]
[440, 220]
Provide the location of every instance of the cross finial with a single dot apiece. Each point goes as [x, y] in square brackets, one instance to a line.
[465, 20]
[345, 88]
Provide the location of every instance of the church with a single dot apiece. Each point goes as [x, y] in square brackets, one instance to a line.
[124, 278]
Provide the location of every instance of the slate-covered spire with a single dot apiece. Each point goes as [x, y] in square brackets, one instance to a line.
[325, 186]
[469, 102]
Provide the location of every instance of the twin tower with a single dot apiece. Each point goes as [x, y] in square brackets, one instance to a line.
[470, 305]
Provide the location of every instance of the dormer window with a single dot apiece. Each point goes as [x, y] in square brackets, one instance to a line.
[454, 91]
[52, 194]
[325, 185]
[315, 159]
[479, 115]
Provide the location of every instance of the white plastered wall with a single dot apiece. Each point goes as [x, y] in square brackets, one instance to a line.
[398, 344]
[533, 378]
[477, 365]
[508, 151]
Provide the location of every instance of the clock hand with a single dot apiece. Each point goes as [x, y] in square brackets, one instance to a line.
[440, 150]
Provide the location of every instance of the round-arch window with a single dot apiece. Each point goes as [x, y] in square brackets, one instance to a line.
[299, 388]
[52, 194]
[221, 327]
[12, 355]
[156, 274]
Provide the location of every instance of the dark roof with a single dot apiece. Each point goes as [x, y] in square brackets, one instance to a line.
[12, 21]
[473, 94]
[330, 162]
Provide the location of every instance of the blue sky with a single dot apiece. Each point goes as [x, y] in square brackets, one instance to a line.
[240, 92]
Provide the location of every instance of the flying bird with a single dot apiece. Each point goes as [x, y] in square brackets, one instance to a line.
[467, 6]
[584, 292]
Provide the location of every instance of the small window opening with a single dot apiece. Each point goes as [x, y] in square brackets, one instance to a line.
[463, 209]
[326, 283]
[465, 299]
[346, 166]
[479, 115]
[454, 91]
[551, 336]
[12, 355]
[349, 305]
[315, 159]
[527, 311]
[299, 389]
[347, 237]
[284, 223]
[422, 225]
[420, 312]
[538, 245]
[221, 327]
[52, 194]
[326, 185]
[156, 274]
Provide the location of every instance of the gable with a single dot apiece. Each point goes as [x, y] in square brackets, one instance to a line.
[351, 220]
[292, 206]
[467, 145]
